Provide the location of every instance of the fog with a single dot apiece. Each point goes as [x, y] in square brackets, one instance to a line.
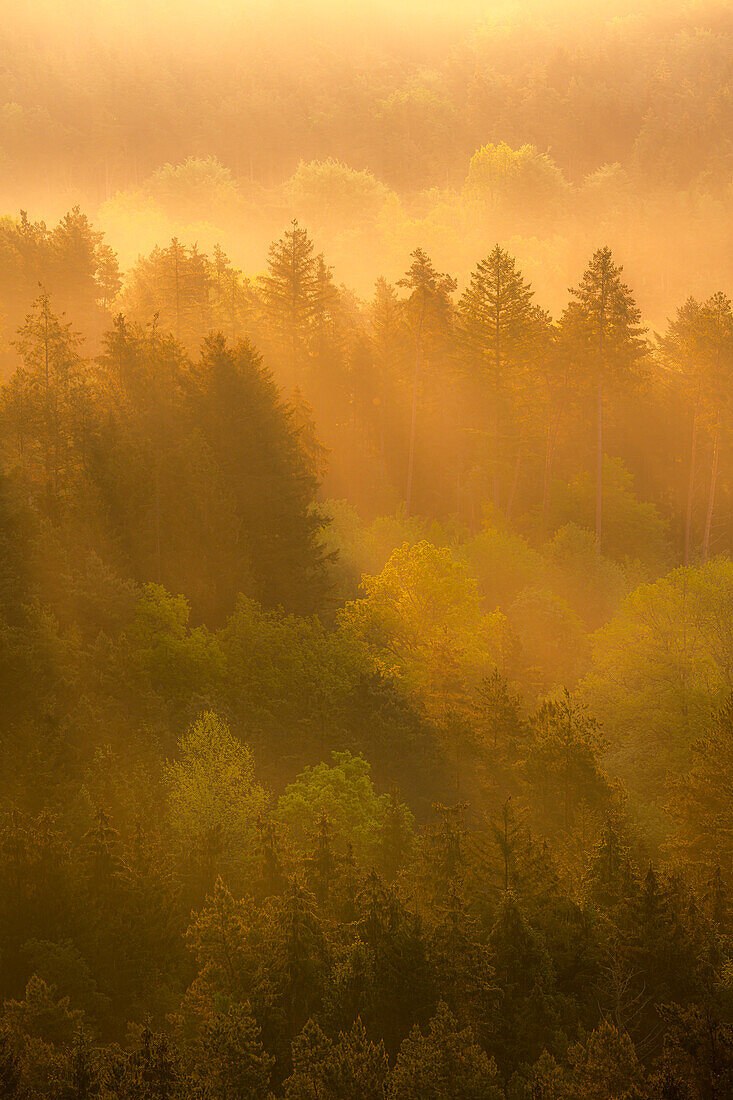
[366, 519]
[195, 126]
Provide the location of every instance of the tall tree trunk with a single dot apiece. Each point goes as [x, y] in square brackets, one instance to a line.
[178, 298]
[413, 427]
[711, 495]
[47, 408]
[21, 416]
[157, 516]
[513, 490]
[549, 455]
[413, 422]
[691, 484]
[599, 468]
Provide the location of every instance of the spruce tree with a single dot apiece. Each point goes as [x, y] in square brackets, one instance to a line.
[600, 328]
[717, 335]
[681, 351]
[290, 296]
[495, 326]
[232, 1063]
[427, 309]
[172, 288]
[443, 1063]
[47, 399]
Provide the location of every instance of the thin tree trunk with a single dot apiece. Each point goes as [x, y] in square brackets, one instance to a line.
[413, 423]
[47, 409]
[711, 495]
[157, 516]
[178, 299]
[513, 490]
[505, 811]
[549, 455]
[458, 491]
[599, 469]
[691, 486]
[497, 386]
[21, 422]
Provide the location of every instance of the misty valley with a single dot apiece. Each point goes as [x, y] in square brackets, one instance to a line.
[366, 508]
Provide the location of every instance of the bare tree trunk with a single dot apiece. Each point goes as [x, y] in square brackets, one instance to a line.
[711, 495]
[691, 486]
[547, 479]
[413, 426]
[513, 490]
[157, 515]
[413, 423]
[178, 299]
[21, 416]
[599, 468]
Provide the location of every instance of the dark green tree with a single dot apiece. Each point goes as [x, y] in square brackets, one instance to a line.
[445, 1063]
[601, 329]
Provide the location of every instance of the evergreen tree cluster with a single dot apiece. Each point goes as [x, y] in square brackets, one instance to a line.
[422, 791]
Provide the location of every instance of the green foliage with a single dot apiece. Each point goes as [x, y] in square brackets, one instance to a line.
[633, 529]
[551, 641]
[444, 1062]
[661, 666]
[343, 793]
[167, 567]
[503, 564]
[327, 1070]
[500, 175]
[422, 617]
[699, 803]
[232, 1063]
[562, 762]
[592, 585]
[332, 194]
[214, 799]
[160, 645]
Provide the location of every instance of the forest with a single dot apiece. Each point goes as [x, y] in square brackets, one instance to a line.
[366, 599]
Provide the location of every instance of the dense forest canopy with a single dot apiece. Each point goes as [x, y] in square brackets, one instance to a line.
[366, 508]
[542, 123]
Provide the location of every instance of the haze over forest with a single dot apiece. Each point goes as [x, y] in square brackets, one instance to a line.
[366, 511]
[222, 124]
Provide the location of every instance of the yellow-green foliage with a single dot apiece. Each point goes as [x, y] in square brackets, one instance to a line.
[213, 797]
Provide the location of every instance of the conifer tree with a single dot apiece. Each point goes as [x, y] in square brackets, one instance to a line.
[699, 798]
[717, 335]
[443, 1063]
[232, 298]
[325, 317]
[322, 861]
[83, 271]
[600, 327]
[47, 399]
[267, 476]
[231, 1062]
[172, 287]
[11, 1080]
[428, 314]
[388, 338]
[610, 876]
[289, 291]
[681, 349]
[495, 328]
[563, 761]
[328, 1070]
